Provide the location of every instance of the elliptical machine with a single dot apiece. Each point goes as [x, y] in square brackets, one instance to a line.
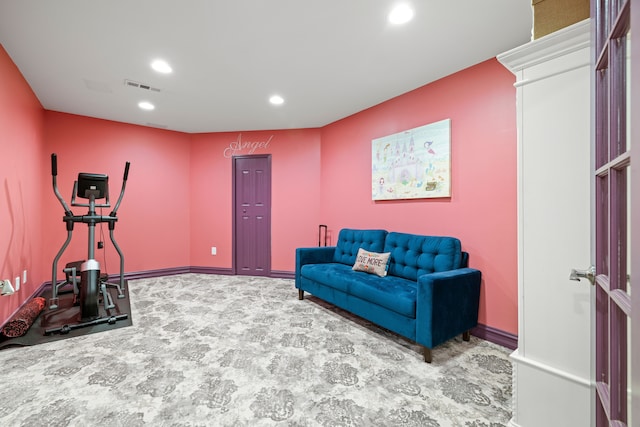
[91, 286]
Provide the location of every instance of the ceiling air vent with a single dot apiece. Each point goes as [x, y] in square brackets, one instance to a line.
[131, 83]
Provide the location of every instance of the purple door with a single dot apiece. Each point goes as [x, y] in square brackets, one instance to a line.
[252, 215]
[617, 373]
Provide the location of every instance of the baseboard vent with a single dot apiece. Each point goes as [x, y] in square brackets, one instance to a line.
[139, 85]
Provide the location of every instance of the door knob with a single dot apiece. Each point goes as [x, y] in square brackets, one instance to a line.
[589, 273]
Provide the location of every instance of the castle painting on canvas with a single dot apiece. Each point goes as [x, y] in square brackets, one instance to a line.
[413, 164]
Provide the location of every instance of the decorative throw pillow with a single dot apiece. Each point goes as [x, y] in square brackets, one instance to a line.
[372, 262]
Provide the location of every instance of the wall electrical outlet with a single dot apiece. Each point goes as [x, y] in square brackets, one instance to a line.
[24, 277]
[214, 250]
[17, 284]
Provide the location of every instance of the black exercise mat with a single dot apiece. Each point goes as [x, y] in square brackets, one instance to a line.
[68, 314]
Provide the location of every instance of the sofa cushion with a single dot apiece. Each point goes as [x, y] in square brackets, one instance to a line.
[349, 241]
[331, 274]
[372, 262]
[393, 293]
[413, 255]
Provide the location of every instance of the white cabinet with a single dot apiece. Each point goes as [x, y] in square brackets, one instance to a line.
[552, 364]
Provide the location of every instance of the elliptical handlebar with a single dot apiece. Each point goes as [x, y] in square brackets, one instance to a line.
[54, 175]
[124, 184]
[54, 164]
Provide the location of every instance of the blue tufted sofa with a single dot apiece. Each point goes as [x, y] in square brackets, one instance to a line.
[429, 295]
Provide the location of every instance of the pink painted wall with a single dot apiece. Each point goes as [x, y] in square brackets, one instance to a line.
[295, 164]
[153, 219]
[20, 185]
[480, 101]
[178, 200]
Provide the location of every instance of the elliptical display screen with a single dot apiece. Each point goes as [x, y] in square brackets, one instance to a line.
[92, 184]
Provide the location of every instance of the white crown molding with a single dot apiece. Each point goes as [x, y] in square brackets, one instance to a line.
[560, 43]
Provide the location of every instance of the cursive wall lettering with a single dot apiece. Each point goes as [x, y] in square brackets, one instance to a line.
[238, 146]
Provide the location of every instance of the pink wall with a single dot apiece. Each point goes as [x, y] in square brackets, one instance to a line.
[178, 200]
[480, 101]
[20, 185]
[295, 164]
[153, 218]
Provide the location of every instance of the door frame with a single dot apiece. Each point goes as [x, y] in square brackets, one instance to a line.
[635, 213]
[234, 224]
[615, 317]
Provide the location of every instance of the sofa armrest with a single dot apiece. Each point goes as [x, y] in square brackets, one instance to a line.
[447, 305]
[317, 255]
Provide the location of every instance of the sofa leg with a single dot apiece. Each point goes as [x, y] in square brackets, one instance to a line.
[427, 354]
[300, 294]
[466, 335]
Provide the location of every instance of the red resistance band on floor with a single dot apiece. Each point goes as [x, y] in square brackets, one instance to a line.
[24, 318]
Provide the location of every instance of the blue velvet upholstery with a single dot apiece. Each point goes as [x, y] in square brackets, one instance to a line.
[429, 294]
[349, 241]
[413, 255]
[448, 306]
[395, 294]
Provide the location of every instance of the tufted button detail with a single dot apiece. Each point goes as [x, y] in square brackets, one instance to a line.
[413, 255]
[350, 240]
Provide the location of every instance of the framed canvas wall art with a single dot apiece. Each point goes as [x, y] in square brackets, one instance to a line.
[412, 164]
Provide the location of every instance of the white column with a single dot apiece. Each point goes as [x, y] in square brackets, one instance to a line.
[552, 365]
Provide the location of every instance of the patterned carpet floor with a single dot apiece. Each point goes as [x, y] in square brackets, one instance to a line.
[209, 350]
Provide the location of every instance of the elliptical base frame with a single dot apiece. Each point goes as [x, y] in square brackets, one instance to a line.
[68, 316]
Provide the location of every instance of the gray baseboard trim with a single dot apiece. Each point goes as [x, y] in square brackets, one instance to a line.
[495, 336]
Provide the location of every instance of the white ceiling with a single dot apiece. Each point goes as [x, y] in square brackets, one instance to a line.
[328, 58]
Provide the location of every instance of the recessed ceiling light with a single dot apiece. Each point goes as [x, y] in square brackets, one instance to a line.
[276, 100]
[146, 105]
[401, 14]
[161, 66]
